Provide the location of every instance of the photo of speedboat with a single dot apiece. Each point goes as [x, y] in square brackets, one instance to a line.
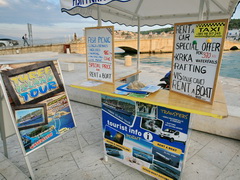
[28, 121]
[117, 108]
[28, 117]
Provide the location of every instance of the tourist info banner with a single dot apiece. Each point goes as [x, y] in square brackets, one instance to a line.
[149, 138]
[39, 102]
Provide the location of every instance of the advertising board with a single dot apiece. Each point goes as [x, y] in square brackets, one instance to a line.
[100, 53]
[149, 138]
[38, 101]
[197, 58]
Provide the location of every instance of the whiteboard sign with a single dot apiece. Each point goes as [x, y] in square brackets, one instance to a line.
[100, 53]
[197, 58]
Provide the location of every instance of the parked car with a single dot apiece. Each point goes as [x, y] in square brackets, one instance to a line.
[8, 42]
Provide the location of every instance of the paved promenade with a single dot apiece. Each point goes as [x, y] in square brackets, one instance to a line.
[209, 156]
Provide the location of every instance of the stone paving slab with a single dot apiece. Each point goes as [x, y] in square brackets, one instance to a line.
[8, 171]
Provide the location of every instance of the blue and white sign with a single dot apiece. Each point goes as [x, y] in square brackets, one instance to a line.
[149, 138]
[86, 3]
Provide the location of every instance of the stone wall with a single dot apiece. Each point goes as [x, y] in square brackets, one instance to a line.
[159, 45]
[33, 49]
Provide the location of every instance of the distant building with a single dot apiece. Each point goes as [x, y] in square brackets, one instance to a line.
[233, 34]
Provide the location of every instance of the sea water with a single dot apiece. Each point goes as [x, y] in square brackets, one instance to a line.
[230, 66]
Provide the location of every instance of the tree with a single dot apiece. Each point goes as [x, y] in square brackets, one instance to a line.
[234, 24]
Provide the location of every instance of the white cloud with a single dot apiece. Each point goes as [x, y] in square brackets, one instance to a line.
[3, 3]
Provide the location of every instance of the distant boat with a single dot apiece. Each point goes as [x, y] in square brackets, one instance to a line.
[118, 51]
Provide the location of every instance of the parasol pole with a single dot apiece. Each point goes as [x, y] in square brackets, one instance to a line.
[138, 47]
[200, 14]
[99, 15]
[208, 9]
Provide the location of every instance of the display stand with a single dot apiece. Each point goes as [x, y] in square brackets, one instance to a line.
[118, 124]
[149, 132]
[53, 114]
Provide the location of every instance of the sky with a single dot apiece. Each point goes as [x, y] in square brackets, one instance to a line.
[47, 20]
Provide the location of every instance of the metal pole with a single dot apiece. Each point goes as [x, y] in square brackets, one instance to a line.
[2, 126]
[99, 16]
[17, 132]
[30, 37]
[29, 167]
[31, 34]
[208, 9]
[138, 47]
[200, 15]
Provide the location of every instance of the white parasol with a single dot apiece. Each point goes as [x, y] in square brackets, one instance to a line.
[150, 12]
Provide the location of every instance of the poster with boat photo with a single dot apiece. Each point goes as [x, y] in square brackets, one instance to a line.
[152, 139]
[38, 100]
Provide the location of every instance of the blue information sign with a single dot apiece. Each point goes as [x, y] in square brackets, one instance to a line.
[146, 137]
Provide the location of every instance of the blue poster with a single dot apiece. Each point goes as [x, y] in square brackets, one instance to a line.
[39, 102]
[149, 138]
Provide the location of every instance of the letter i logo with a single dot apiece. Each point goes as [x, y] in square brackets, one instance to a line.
[148, 136]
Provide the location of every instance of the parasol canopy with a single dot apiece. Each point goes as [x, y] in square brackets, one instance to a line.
[150, 12]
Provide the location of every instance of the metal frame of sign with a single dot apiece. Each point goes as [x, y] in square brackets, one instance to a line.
[110, 29]
[208, 39]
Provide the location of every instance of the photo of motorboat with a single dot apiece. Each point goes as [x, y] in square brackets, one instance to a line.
[114, 151]
[166, 156]
[165, 170]
[28, 117]
[143, 155]
[123, 109]
[117, 108]
[32, 119]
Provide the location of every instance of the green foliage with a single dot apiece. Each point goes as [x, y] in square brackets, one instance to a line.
[234, 24]
[158, 31]
[38, 131]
